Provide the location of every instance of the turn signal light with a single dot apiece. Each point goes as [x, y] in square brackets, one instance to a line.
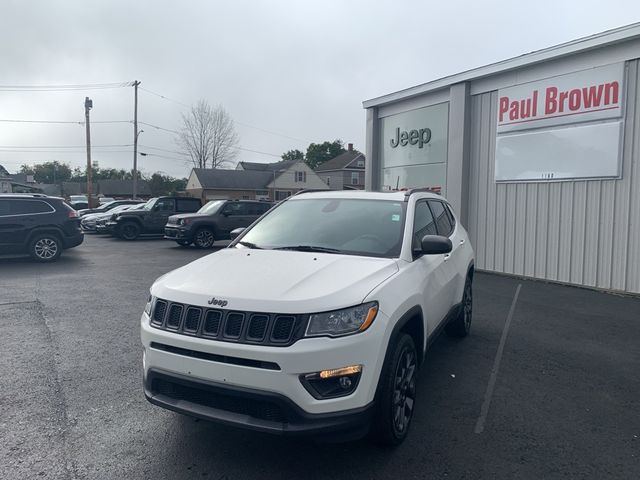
[73, 214]
[339, 372]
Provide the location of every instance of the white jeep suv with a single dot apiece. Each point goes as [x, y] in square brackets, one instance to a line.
[315, 319]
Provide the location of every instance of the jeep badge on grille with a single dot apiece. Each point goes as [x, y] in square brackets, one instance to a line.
[216, 301]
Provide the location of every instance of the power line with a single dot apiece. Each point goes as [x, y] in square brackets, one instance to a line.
[238, 122]
[62, 122]
[157, 127]
[164, 97]
[63, 88]
[64, 146]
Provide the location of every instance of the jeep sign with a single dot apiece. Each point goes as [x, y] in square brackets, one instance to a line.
[412, 137]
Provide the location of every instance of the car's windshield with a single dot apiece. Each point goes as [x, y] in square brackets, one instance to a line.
[349, 226]
[212, 207]
[77, 198]
[149, 205]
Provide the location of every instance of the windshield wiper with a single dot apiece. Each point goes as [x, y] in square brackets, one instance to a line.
[249, 245]
[309, 248]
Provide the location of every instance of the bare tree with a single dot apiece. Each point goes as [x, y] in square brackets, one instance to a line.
[208, 136]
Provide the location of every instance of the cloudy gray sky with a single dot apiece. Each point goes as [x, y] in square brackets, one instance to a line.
[297, 69]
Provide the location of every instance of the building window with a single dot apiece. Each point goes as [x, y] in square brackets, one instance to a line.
[301, 177]
[282, 194]
[328, 180]
[360, 163]
[355, 178]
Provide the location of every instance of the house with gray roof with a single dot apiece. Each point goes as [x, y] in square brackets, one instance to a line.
[344, 172]
[253, 181]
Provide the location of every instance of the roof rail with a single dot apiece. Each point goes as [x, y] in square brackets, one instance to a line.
[411, 191]
[310, 190]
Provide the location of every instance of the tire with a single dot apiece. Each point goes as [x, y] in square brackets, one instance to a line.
[397, 394]
[461, 324]
[183, 243]
[203, 238]
[129, 231]
[45, 247]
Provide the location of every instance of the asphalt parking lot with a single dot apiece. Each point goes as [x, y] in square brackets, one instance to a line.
[546, 386]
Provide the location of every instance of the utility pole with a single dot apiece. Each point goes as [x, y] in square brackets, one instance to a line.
[135, 138]
[88, 105]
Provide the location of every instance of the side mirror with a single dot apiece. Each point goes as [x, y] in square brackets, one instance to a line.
[235, 233]
[435, 244]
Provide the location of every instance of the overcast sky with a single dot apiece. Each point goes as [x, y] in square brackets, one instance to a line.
[299, 69]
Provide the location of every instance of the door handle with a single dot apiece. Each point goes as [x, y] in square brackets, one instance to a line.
[461, 241]
[446, 257]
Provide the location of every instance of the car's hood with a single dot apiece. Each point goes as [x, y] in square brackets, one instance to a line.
[132, 213]
[175, 218]
[275, 280]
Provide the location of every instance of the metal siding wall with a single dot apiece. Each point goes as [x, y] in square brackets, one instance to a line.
[581, 232]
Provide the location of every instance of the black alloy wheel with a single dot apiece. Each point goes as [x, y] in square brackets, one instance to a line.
[404, 394]
[396, 395]
[203, 238]
[129, 231]
[461, 324]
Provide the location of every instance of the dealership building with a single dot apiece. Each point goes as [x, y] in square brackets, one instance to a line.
[539, 155]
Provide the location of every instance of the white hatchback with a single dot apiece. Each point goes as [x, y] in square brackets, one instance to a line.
[315, 319]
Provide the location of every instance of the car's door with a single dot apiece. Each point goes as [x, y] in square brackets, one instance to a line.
[432, 272]
[159, 215]
[19, 218]
[7, 228]
[446, 228]
[232, 216]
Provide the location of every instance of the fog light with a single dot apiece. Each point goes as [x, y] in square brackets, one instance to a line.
[337, 382]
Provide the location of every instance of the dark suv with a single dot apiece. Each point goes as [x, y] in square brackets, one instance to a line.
[151, 218]
[214, 221]
[39, 225]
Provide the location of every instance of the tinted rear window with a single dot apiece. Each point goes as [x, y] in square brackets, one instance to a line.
[26, 207]
[187, 205]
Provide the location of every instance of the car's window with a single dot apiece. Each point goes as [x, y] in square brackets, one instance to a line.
[264, 207]
[187, 205]
[350, 226]
[452, 219]
[235, 208]
[442, 218]
[423, 223]
[164, 205]
[27, 207]
[211, 207]
[255, 208]
[4, 207]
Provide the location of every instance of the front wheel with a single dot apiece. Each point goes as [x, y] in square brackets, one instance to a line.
[397, 394]
[203, 238]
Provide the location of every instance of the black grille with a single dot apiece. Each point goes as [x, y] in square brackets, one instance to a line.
[233, 325]
[229, 326]
[212, 323]
[158, 312]
[256, 408]
[283, 328]
[192, 320]
[175, 313]
[257, 327]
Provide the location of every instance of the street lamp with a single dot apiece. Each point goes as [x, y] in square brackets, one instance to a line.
[135, 164]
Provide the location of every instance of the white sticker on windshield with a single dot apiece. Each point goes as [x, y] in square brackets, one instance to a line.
[395, 217]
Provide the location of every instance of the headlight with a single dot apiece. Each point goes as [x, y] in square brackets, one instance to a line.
[183, 221]
[147, 307]
[342, 322]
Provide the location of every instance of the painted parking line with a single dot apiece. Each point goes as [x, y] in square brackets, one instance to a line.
[484, 411]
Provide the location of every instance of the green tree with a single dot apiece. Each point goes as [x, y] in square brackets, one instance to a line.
[48, 172]
[318, 153]
[293, 155]
[164, 184]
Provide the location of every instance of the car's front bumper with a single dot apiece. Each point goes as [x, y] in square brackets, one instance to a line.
[178, 233]
[249, 408]
[305, 356]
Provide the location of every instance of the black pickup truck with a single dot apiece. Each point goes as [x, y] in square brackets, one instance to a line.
[214, 221]
[152, 218]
